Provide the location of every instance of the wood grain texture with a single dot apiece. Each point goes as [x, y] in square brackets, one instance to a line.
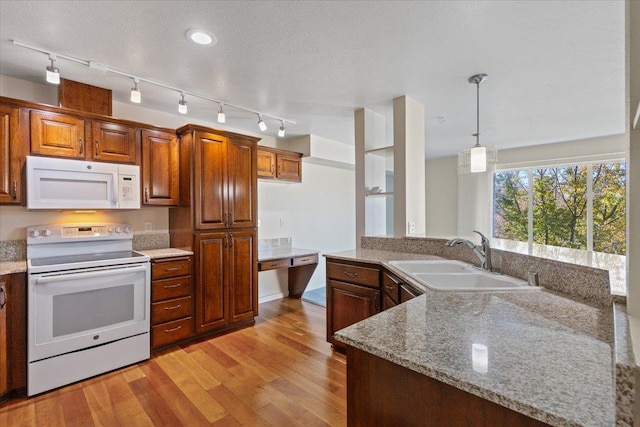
[279, 372]
[84, 97]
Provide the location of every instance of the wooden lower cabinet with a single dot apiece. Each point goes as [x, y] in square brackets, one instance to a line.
[226, 279]
[13, 335]
[171, 301]
[382, 393]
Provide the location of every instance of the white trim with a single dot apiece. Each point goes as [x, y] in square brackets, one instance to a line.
[590, 207]
[272, 297]
[565, 161]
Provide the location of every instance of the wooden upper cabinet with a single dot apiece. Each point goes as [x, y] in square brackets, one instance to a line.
[11, 157]
[266, 164]
[113, 142]
[56, 134]
[160, 172]
[210, 186]
[289, 166]
[274, 163]
[241, 175]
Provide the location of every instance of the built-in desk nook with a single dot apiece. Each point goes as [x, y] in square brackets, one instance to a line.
[300, 262]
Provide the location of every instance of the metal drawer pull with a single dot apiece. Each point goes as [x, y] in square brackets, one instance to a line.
[175, 307]
[80, 145]
[3, 298]
[15, 189]
[346, 273]
[166, 331]
[389, 286]
[305, 259]
[97, 147]
[173, 269]
[172, 286]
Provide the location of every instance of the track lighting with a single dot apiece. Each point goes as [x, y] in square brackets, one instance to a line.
[136, 96]
[53, 74]
[53, 77]
[261, 124]
[182, 105]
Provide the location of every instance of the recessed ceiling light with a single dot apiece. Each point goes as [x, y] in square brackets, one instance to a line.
[201, 37]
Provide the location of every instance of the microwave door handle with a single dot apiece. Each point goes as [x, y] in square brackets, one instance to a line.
[43, 280]
[115, 190]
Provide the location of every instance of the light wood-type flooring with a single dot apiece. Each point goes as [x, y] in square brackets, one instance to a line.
[280, 372]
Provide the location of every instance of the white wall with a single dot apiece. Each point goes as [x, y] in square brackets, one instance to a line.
[318, 213]
[441, 200]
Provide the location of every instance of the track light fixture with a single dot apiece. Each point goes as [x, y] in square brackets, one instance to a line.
[281, 130]
[261, 124]
[136, 95]
[182, 105]
[53, 74]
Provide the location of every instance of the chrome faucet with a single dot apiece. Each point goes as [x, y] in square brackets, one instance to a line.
[482, 251]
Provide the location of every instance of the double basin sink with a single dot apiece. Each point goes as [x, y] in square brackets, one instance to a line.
[448, 275]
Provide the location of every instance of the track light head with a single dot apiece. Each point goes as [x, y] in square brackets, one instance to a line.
[281, 131]
[53, 74]
[182, 105]
[136, 95]
[222, 117]
[261, 124]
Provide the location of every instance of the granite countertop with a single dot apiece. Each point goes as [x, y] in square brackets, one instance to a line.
[11, 267]
[165, 253]
[549, 357]
[276, 252]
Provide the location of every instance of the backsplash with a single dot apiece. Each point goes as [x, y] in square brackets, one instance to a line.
[587, 284]
[13, 250]
[150, 241]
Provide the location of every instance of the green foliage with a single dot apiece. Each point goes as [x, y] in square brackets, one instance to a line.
[560, 206]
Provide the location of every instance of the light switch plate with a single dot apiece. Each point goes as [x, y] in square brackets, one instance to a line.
[148, 226]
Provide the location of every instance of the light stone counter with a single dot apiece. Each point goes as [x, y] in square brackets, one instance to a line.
[549, 357]
[11, 267]
[277, 252]
[165, 253]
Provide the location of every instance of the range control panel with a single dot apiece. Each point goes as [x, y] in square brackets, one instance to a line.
[76, 232]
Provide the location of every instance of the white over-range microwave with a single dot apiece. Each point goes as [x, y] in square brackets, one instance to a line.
[75, 184]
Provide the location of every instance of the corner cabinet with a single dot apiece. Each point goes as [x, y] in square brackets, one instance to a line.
[353, 294]
[11, 155]
[160, 173]
[279, 164]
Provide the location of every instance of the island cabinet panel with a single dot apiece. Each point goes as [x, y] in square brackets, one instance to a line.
[11, 155]
[380, 392]
[353, 294]
[160, 168]
[56, 134]
[113, 142]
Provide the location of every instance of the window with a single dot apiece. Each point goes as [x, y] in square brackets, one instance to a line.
[580, 207]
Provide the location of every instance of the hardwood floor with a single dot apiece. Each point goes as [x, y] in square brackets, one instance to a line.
[280, 372]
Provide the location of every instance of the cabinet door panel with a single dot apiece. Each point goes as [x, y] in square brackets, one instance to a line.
[159, 168]
[289, 167]
[57, 135]
[243, 292]
[211, 306]
[242, 181]
[266, 164]
[10, 155]
[210, 184]
[4, 360]
[113, 142]
[348, 304]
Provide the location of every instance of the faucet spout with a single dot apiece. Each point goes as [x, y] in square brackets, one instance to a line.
[482, 251]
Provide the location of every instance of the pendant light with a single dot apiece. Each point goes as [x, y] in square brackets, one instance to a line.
[476, 159]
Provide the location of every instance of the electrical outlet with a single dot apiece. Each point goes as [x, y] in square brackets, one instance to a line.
[258, 223]
[148, 226]
[412, 228]
[281, 222]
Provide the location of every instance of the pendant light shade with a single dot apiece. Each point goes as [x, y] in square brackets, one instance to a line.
[478, 159]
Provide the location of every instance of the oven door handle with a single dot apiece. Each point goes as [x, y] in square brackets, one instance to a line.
[91, 274]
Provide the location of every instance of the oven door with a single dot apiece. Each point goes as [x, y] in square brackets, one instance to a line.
[79, 309]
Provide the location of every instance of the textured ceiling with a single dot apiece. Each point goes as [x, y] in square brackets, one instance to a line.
[556, 68]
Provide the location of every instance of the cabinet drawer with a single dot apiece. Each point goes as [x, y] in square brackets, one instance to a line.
[170, 288]
[170, 332]
[304, 260]
[276, 263]
[391, 287]
[407, 293]
[170, 310]
[172, 268]
[354, 274]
